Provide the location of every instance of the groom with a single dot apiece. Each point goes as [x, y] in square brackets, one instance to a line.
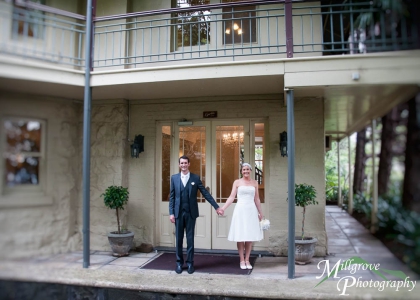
[183, 210]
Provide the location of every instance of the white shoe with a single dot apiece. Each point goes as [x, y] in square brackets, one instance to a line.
[248, 265]
[242, 264]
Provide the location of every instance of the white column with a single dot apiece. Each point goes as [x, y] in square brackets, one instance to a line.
[350, 204]
[340, 200]
[374, 217]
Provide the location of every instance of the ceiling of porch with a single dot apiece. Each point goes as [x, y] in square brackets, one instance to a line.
[348, 105]
[348, 109]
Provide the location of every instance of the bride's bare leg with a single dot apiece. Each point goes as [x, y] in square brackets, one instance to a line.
[241, 247]
[248, 247]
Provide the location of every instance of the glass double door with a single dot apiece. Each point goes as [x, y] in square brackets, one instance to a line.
[216, 150]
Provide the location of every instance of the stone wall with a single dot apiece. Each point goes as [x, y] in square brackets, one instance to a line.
[57, 227]
[309, 168]
[109, 150]
[32, 228]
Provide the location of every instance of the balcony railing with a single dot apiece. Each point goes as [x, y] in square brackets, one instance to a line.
[36, 31]
[216, 32]
[213, 32]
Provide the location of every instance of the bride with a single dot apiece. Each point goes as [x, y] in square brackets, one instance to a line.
[245, 226]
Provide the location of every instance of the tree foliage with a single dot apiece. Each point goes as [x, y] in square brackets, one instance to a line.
[193, 26]
[331, 170]
[305, 195]
[115, 197]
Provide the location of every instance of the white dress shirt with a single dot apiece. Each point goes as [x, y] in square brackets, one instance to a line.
[185, 178]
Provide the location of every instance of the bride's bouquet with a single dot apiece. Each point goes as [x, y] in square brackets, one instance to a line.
[265, 224]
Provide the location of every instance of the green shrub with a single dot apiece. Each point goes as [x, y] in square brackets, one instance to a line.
[115, 197]
[305, 195]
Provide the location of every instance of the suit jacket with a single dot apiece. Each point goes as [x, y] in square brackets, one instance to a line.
[193, 184]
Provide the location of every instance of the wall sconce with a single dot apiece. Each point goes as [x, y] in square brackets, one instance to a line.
[137, 146]
[283, 143]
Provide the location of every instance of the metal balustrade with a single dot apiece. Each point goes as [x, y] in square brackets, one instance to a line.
[345, 30]
[32, 33]
[215, 32]
[165, 38]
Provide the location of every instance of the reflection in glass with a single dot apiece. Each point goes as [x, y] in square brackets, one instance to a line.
[240, 24]
[28, 22]
[193, 27]
[259, 158]
[229, 157]
[22, 152]
[192, 143]
[166, 162]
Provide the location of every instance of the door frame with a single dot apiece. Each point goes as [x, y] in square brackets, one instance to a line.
[163, 214]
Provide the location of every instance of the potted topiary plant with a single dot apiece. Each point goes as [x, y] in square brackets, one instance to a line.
[305, 246]
[115, 197]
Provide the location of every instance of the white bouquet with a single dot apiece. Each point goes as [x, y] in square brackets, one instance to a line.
[265, 224]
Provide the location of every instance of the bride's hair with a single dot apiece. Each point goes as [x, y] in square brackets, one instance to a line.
[246, 165]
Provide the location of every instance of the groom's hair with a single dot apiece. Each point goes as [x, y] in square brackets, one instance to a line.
[184, 157]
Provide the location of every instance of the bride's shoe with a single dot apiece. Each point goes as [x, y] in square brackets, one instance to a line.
[248, 265]
[242, 265]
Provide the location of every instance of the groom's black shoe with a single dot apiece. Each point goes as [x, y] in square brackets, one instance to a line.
[178, 268]
[190, 269]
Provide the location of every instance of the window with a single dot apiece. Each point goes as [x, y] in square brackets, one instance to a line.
[23, 154]
[240, 24]
[28, 22]
[259, 158]
[166, 162]
[193, 27]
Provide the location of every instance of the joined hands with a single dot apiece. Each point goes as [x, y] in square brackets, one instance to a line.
[220, 211]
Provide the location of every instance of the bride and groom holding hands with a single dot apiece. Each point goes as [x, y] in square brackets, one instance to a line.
[183, 211]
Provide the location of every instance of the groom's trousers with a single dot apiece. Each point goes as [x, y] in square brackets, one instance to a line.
[187, 223]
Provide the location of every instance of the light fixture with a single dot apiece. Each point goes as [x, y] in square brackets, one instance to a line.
[239, 31]
[283, 143]
[235, 26]
[227, 31]
[184, 122]
[355, 76]
[138, 146]
[233, 139]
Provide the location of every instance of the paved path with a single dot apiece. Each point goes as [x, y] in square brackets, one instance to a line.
[346, 238]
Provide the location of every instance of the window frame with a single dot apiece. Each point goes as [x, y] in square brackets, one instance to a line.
[253, 122]
[159, 157]
[25, 195]
[229, 22]
[30, 16]
[180, 48]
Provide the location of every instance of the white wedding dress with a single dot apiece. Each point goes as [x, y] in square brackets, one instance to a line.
[245, 226]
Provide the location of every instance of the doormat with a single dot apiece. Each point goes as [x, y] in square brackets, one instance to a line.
[203, 263]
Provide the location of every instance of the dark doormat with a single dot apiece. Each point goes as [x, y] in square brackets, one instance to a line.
[203, 263]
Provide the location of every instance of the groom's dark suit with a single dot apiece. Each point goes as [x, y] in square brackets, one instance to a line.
[183, 205]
